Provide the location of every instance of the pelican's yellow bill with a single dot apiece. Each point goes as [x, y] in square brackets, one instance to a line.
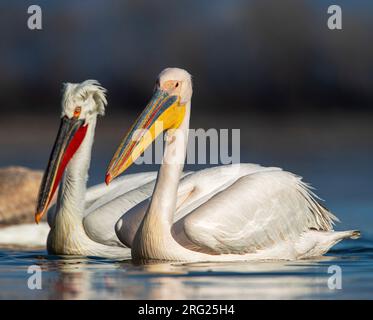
[163, 112]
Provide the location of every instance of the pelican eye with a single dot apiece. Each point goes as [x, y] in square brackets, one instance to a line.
[177, 84]
[77, 112]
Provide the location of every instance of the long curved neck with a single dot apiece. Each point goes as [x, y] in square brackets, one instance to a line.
[71, 197]
[154, 239]
[163, 204]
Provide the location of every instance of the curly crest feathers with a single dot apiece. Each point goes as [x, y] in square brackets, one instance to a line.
[80, 94]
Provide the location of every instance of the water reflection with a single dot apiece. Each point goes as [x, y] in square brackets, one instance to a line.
[76, 277]
[80, 278]
[93, 278]
[274, 280]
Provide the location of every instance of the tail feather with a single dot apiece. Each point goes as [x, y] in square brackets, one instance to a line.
[350, 234]
[315, 243]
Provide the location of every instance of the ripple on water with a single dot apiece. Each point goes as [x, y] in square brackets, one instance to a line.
[98, 278]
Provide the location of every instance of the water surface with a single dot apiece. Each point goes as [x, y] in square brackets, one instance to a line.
[96, 278]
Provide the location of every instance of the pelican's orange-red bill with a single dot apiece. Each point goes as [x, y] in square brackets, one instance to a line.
[69, 138]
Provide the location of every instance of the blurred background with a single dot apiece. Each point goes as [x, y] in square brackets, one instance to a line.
[300, 93]
[262, 56]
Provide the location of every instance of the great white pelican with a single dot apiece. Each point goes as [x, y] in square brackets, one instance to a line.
[83, 220]
[238, 212]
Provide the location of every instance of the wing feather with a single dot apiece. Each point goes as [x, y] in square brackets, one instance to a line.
[108, 204]
[255, 212]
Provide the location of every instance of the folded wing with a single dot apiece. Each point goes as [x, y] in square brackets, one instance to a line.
[255, 212]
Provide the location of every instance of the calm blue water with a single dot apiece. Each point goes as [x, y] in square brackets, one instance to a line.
[92, 278]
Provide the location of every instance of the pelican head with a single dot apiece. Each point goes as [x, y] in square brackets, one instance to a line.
[81, 104]
[166, 110]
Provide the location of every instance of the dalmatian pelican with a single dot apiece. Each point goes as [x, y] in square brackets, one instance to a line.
[83, 220]
[237, 212]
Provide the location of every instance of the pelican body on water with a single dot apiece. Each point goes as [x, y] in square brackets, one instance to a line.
[237, 212]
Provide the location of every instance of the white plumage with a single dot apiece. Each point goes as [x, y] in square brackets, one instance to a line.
[82, 222]
[24, 235]
[238, 212]
[226, 213]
